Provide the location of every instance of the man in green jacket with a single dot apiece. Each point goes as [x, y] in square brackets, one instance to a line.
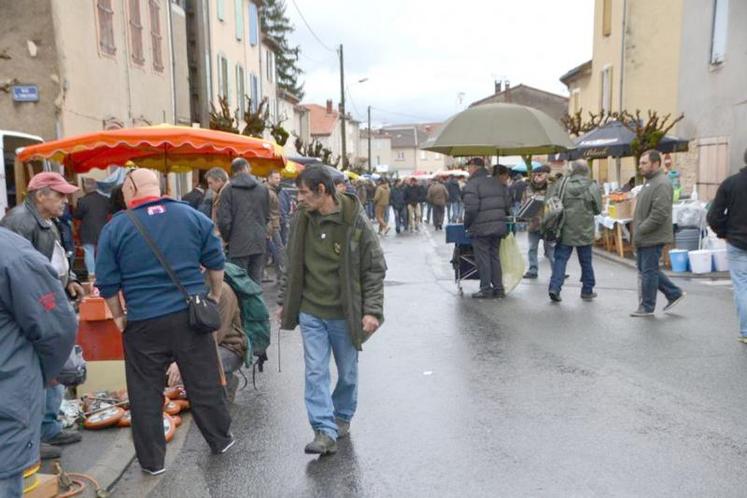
[581, 201]
[334, 289]
[652, 229]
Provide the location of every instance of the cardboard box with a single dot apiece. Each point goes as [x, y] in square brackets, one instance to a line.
[621, 210]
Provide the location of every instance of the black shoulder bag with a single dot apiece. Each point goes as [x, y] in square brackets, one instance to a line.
[204, 316]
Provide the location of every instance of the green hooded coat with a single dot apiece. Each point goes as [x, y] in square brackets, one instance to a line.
[581, 203]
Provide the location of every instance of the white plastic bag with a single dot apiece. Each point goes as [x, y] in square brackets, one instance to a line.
[512, 263]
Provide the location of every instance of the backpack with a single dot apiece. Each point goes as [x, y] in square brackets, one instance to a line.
[255, 319]
[553, 217]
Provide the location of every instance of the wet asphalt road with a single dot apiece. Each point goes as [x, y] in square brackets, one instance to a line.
[517, 397]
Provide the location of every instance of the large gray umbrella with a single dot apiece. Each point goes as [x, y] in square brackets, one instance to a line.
[500, 130]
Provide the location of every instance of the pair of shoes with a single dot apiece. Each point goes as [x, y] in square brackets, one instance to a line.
[153, 472]
[343, 428]
[590, 296]
[483, 294]
[64, 437]
[499, 293]
[321, 445]
[641, 312]
[530, 275]
[49, 452]
[555, 296]
[674, 302]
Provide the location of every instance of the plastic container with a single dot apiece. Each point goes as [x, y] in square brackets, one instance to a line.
[701, 261]
[678, 260]
[720, 261]
[687, 238]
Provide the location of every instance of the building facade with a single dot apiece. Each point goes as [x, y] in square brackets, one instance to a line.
[295, 119]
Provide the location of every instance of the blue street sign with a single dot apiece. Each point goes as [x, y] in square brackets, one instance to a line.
[25, 93]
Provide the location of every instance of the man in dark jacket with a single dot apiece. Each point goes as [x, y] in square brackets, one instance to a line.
[93, 212]
[652, 230]
[37, 332]
[486, 205]
[157, 327]
[33, 220]
[397, 201]
[195, 196]
[728, 218]
[335, 291]
[438, 197]
[412, 198]
[537, 189]
[455, 200]
[243, 215]
[581, 202]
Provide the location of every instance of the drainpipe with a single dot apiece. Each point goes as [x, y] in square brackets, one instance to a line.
[127, 67]
[618, 161]
[173, 59]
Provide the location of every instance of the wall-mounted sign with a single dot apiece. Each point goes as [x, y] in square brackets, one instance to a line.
[25, 93]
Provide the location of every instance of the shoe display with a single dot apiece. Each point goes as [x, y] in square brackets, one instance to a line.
[321, 445]
[674, 302]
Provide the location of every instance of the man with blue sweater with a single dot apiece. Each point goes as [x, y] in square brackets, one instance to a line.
[156, 327]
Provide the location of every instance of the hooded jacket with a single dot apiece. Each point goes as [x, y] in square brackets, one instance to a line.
[362, 270]
[486, 205]
[243, 215]
[581, 203]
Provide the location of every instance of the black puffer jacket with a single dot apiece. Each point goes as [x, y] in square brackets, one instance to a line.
[243, 214]
[397, 197]
[412, 194]
[486, 205]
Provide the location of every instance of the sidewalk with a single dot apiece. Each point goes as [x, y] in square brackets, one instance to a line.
[719, 275]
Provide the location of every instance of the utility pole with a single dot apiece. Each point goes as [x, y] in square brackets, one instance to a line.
[369, 141]
[342, 111]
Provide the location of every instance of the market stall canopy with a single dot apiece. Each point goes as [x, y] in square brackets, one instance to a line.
[292, 169]
[521, 167]
[614, 140]
[451, 172]
[163, 147]
[500, 129]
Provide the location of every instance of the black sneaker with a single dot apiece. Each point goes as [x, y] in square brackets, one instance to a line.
[674, 302]
[499, 293]
[530, 275]
[65, 437]
[555, 296]
[49, 452]
[588, 296]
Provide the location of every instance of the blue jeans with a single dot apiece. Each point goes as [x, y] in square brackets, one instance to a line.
[455, 212]
[400, 218]
[51, 426]
[738, 269]
[12, 487]
[562, 255]
[276, 249]
[320, 338]
[534, 240]
[651, 279]
[89, 257]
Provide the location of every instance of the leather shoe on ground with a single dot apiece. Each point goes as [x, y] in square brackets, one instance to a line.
[555, 296]
[674, 302]
[343, 428]
[65, 437]
[49, 452]
[499, 293]
[483, 295]
[640, 312]
[321, 445]
[588, 297]
[529, 275]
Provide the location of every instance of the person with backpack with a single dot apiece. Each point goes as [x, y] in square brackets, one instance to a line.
[581, 201]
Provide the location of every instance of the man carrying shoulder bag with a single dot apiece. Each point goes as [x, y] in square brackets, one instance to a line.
[152, 253]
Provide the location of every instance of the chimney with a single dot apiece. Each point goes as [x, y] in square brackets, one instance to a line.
[508, 91]
[498, 87]
[329, 106]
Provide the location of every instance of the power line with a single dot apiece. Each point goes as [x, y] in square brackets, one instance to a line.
[350, 96]
[311, 30]
[402, 114]
[328, 62]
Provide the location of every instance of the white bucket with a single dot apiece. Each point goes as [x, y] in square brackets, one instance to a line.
[701, 261]
[720, 261]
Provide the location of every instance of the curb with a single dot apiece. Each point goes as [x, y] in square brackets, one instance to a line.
[721, 275]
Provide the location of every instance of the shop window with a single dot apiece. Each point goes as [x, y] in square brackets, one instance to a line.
[239, 18]
[155, 34]
[240, 90]
[106, 27]
[253, 25]
[136, 32]
[606, 95]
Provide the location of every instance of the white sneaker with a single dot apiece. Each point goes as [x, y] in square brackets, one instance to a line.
[228, 447]
[153, 472]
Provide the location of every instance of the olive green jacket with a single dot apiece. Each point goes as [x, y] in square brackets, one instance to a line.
[362, 271]
[581, 202]
[652, 221]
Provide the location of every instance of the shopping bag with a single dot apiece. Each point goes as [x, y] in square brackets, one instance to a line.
[512, 263]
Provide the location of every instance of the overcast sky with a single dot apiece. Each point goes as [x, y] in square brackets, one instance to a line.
[420, 55]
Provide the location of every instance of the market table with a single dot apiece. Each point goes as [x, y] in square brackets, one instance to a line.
[615, 233]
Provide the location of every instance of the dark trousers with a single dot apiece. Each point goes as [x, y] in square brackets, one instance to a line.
[487, 261]
[253, 264]
[562, 255]
[438, 216]
[651, 279]
[276, 248]
[400, 218]
[149, 347]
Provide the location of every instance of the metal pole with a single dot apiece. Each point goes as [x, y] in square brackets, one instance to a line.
[370, 167]
[342, 111]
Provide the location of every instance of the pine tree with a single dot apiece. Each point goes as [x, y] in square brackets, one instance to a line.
[276, 25]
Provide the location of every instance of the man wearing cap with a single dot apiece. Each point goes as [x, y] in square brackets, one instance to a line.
[487, 203]
[156, 328]
[537, 190]
[34, 221]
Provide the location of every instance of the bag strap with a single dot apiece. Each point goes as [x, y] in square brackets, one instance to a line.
[563, 188]
[157, 252]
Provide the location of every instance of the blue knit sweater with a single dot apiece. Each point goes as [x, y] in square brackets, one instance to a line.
[125, 261]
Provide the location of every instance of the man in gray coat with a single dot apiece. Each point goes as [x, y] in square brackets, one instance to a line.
[486, 205]
[652, 229]
[37, 332]
[243, 215]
